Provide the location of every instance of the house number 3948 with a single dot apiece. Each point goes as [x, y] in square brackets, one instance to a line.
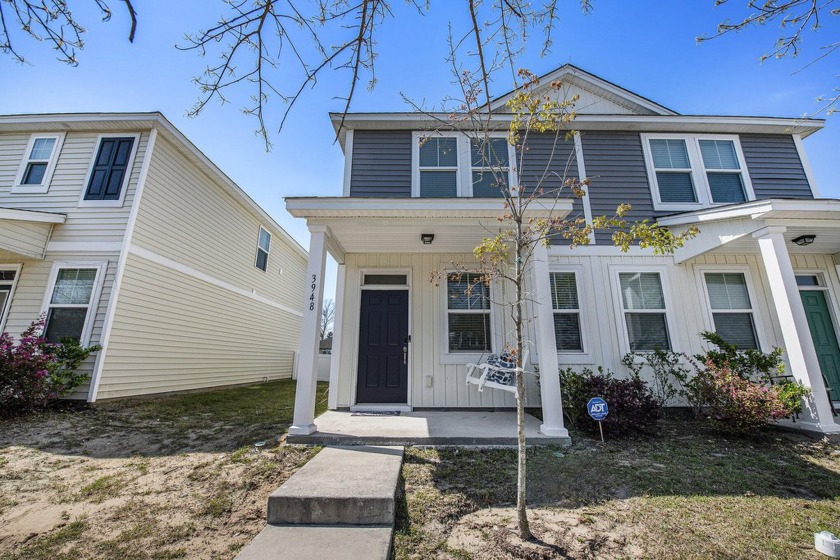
[312, 295]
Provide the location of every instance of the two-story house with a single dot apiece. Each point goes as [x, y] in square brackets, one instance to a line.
[763, 271]
[123, 234]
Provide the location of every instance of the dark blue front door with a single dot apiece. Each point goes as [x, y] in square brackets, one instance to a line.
[383, 347]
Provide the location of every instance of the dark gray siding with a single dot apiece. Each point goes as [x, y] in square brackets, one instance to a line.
[774, 166]
[615, 165]
[381, 164]
[547, 161]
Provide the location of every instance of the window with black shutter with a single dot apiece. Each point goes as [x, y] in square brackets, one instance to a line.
[109, 169]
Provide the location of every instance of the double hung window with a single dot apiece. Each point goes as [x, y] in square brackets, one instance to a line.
[38, 163]
[692, 171]
[439, 166]
[263, 248]
[644, 310]
[731, 308]
[490, 167]
[566, 305]
[70, 305]
[468, 312]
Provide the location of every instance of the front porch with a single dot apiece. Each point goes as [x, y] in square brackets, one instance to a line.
[429, 427]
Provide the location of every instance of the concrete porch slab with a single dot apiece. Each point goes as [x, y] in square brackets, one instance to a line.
[346, 542]
[431, 427]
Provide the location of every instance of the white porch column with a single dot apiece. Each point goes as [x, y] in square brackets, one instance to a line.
[552, 406]
[310, 334]
[799, 346]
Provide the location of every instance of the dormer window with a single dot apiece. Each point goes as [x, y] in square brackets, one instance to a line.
[38, 163]
[451, 164]
[688, 172]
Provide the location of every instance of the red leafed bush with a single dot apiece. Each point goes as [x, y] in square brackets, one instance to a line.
[34, 372]
[739, 405]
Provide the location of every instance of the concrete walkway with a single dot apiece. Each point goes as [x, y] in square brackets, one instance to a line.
[429, 427]
[341, 504]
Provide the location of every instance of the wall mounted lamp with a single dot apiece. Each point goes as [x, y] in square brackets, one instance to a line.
[427, 238]
[804, 240]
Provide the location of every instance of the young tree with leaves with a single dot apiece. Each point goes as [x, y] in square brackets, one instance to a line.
[531, 216]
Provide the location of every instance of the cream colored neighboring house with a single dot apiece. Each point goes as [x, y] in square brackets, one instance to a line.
[125, 235]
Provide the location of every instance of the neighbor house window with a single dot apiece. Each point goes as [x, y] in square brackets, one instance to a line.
[566, 305]
[468, 312]
[7, 287]
[110, 170]
[438, 165]
[490, 169]
[38, 163]
[263, 248]
[688, 171]
[732, 311]
[643, 307]
[69, 308]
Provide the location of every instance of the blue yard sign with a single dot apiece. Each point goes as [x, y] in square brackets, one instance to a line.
[597, 408]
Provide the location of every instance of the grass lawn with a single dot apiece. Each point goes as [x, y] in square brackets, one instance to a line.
[146, 478]
[687, 493]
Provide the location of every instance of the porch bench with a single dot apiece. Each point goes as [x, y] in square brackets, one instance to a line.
[496, 373]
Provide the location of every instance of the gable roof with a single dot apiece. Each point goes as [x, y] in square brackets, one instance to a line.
[610, 93]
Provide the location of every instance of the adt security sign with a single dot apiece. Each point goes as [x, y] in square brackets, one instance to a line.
[597, 408]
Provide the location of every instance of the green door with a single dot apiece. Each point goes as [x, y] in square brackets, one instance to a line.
[825, 339]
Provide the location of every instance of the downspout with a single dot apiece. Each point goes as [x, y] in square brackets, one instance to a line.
[115, 290]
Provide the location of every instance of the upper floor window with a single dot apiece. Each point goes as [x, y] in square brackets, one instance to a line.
[38, 163]
[490, 166]
[263, 248]
[691, 171]
[110, 170]
[438, 167]
[451, 164]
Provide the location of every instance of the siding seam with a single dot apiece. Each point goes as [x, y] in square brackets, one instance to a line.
[189, 271]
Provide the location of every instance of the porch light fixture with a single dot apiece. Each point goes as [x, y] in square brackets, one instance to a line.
[427, 238]
[804, 240]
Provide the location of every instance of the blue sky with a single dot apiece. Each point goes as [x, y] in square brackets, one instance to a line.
[645, 46]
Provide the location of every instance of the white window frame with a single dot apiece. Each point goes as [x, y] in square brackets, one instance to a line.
[447, 357]
[708, 312]
[93, 306]
[583, 356]
[128, 171]
[257, 252]
[699, 177]
[44, 187]
[618, 302]
[463, 175]
[4, 313]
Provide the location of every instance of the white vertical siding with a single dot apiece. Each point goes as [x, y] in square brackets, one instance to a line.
[601, 314]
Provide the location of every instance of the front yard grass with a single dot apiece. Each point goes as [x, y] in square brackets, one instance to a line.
[686, 493]
[146, 478]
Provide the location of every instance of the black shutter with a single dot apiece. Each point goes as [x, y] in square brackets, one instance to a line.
[109, 169]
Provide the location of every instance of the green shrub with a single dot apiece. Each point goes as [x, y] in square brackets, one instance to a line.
[632, 406]
[34, 372]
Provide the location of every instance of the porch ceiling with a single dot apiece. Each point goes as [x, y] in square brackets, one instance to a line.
[25, 232]
[403, 236]
[827, 241]
[375, 225]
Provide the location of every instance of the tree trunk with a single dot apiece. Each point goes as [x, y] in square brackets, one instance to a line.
[521, 480]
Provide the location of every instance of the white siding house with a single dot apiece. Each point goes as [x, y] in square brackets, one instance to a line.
[125, 235]
[744, 181]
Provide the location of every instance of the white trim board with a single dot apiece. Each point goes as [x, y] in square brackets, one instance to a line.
[189, 271]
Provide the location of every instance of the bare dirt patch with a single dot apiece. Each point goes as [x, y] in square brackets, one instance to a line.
[178, 477]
